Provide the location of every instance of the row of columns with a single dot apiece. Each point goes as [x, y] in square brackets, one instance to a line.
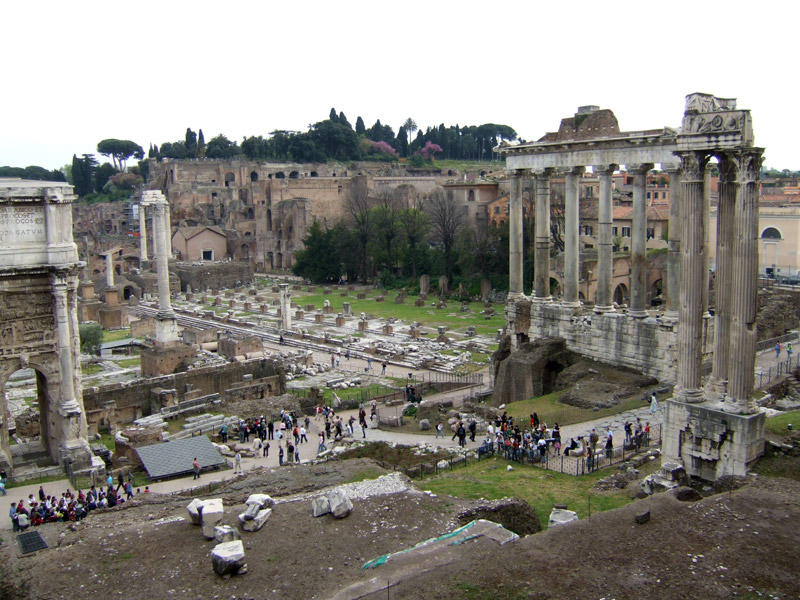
[541, 283]
[143, 230]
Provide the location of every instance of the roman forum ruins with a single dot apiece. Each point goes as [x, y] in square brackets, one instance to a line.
[713, 429]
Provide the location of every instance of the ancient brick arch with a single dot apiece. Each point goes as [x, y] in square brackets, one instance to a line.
[38, 315]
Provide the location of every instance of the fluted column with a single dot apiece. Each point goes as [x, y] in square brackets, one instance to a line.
[66, 403]
[162, 264]
[168, 213]
[693, 279]
[674, 244]
[706, 229]
[571, 242]
[515, 287]
[605, 254]
[744, 280]
[142, 233]
[541, 283]
[639, 242]
[717, 385]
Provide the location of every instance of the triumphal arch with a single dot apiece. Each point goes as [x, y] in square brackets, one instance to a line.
[38, 314]
[712, 426]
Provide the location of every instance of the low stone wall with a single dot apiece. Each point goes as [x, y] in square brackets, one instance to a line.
[647, 345]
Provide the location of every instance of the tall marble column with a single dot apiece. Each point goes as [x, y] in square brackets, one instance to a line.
[142, 233]
[605, 254]
[166, 322]
[572, 237]
[639, 242]
[541, 258]
[168, 213]
[693, 279]
[744, 280]
[67, 402]
[515, 262]
[717, 384]
[674, 244]
[109, 270]
[286, 307]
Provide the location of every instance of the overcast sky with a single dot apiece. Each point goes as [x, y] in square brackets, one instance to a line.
[78, 72]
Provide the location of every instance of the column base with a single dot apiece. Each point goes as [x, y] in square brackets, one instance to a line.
[716, 389]
[571, 304]
[516, 297]
[542, 299]
[604, 309]
[638, 314]
[690, 396]
[671, 315]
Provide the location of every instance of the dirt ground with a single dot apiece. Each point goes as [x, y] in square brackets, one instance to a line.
[743, 543]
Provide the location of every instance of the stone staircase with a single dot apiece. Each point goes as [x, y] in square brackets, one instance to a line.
[792, 399]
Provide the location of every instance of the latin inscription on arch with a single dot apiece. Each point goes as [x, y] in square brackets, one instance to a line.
[21, 225]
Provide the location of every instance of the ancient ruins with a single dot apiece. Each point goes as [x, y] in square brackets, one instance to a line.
[39, 318]
[713, 429]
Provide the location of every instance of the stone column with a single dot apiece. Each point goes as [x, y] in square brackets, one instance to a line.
[744, 280]
[717, 384]
[166, 323]
[515, 238]
[142, 233]
[572, 237]
[605, 254]
[706, 242]
[67, 404]
[674, 244]
[286, 315]
[541, 283]
[693, 279]
[168, 213]
[109, 270]
[639, 241]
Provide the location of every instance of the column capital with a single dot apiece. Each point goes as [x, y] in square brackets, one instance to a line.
[575, 170]
[604, 169]
[742, 166]
[643, 167]
[546, 172]
[518, 172]
[693, 165]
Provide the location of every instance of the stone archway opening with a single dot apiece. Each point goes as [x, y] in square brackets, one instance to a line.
[549, 375]
[656, 293]
[27, 428]
[621, 294]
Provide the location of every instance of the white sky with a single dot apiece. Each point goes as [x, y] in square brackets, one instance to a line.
[78, 72]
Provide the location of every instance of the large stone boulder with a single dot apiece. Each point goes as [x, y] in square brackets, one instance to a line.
[195, 510]
[340, 504]
[262, 500]
[559, 516]
[213, 512]
[226, 533]
[257, 521]
[513, 514]
[320, 506]
[228, 558]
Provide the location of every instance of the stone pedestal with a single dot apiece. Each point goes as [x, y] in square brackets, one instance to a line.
[419, 302]
[361, 296]
[362, 326]
[340, 320]
[299, 314]
[327, 310]
[247, 306]
[387, 330]
[346, 308]
[310, 308]
[319, 318]
[711, 442]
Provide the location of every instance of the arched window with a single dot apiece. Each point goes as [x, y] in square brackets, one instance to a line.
[253, 176]
[770, 233]
[229, 179]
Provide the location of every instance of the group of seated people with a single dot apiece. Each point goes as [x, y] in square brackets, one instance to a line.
[508, 439]
[69, 507]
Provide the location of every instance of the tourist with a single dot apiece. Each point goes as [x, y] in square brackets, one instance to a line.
[270, 430]
[321, 447]
[778, 349]
[129, 488]
[363, 429]
[462, 435]
[383, 368]
[196, 468]
[12, 512]
[369, 364]
[653, 403]
[609, 445]
[257, 444]
[789, 349]
[472, 427]
[147, 489]
[237, 463]
[223, 433]
[439, 430]
[280, 456]
[628, 433]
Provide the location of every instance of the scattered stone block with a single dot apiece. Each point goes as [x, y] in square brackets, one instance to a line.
[213, 512]
[258, 520]
[559, 516]
[340, 504]
[424, 425]
[442, 464]
[687, 494]
[250, 513]
[320, 506]
[195, 510]
[226, 533]
[642, 517]
[228, 558]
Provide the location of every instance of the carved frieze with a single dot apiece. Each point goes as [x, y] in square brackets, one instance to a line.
[27, 322]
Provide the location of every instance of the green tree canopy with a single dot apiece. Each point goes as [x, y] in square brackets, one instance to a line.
[120, 151]
[221, 147]
[319, 259]
[91, 335]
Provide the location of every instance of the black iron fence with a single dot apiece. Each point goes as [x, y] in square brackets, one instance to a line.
[785, 367]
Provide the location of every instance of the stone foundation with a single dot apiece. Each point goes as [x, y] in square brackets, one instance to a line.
[711, 442]
[164, 360]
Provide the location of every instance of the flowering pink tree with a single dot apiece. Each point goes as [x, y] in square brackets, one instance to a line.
[370, 147]
[430, 150]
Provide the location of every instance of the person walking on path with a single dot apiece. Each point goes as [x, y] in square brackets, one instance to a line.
[266, 449]
[439, 430]
[777, 349]
[653, 403]
[383, 368]
[195, 468]
[280, 456]
[237, 463]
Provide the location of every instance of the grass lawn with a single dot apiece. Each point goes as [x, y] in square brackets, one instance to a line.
[550, 410]
[542, 489]
[91, 369]
[779, 423]
[116, 335]
[129, 362]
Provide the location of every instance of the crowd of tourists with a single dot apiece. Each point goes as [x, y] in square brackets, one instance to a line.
[69, 506]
